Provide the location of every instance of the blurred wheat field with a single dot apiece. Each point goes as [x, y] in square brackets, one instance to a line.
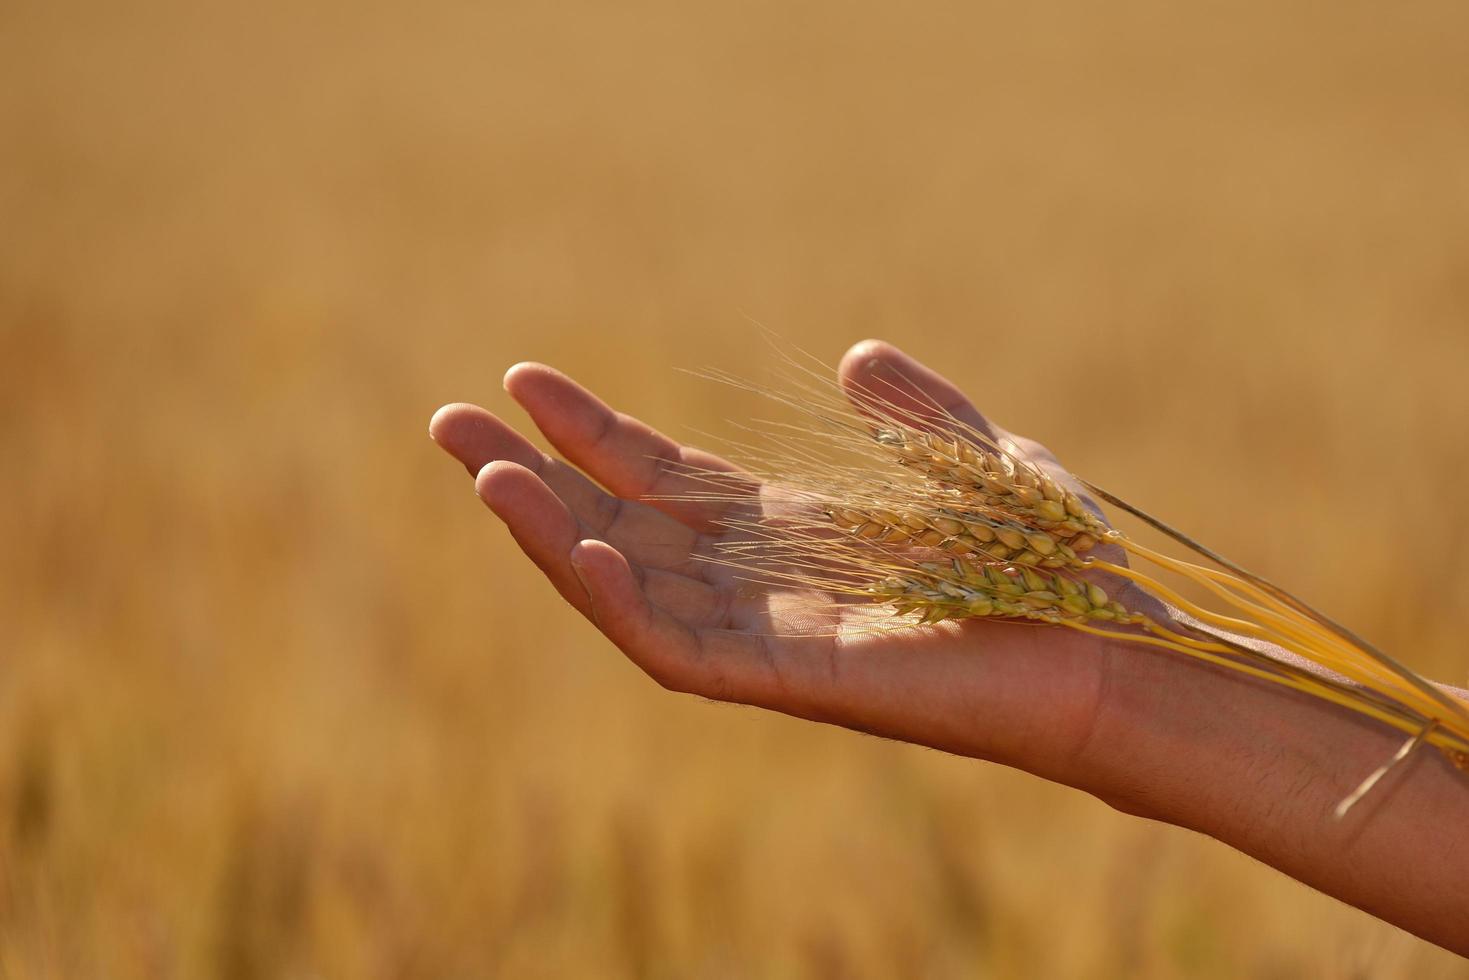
[279, 698]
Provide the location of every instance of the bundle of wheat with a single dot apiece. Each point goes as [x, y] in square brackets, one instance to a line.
[875, 498]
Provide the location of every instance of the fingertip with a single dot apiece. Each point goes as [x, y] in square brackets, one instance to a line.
[578, 560]
[597, 566]
[612, 589]
[497, 479]
[449, 418]
[867, 353]
[524, 375]
[876, 367]
[870, 359]
[513, 370]
[595, 558]
[875, 370]
[877, 374]
[436, 420]
[565, 412]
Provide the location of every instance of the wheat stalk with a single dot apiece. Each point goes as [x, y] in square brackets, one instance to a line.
[872, 500]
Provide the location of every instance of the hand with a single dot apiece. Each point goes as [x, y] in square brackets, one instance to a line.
[1150, 732]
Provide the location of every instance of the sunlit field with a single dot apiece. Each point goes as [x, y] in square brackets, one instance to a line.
[280, 698]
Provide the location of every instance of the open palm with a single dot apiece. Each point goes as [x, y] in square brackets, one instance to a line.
[629, 559]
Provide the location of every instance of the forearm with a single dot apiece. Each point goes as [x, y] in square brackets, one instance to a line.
[1262, 769]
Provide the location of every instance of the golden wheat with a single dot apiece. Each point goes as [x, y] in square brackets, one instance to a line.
[880, 498]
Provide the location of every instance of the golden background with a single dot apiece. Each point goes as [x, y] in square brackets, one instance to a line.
[278, 697]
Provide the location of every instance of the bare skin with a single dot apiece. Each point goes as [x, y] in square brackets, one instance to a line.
[1151, 733]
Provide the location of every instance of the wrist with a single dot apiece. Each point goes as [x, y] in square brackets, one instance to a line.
[1196, 745]
[1262, 768]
